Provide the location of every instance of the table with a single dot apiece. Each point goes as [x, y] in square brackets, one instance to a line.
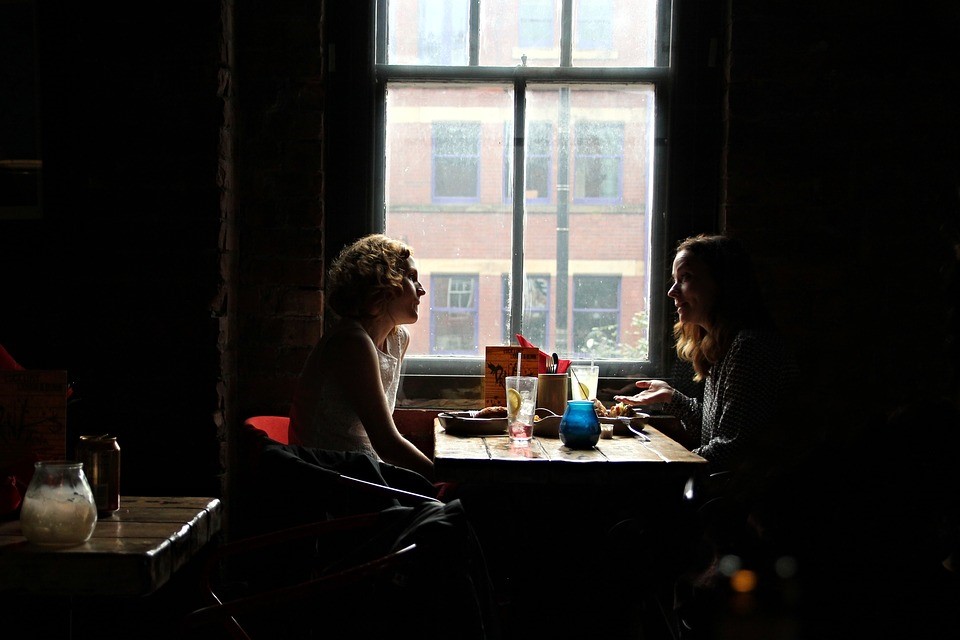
[548, 517]
[133, 552]
[624, 459]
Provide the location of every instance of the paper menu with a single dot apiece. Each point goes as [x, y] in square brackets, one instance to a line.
[501, 361]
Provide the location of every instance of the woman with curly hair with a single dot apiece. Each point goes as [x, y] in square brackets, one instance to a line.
[347, 390]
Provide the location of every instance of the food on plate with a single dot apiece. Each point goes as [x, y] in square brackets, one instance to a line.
[621, 409]
[492, 412]
[618, 410]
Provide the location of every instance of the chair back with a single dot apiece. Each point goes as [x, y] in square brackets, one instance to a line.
[276, 427]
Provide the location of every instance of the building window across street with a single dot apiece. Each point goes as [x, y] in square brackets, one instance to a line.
[536, 314]
[453, 314]
[596, 315]
[456, 161]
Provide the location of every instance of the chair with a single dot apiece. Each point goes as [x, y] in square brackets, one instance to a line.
[331, 550]
[276, 427]
[252, 604]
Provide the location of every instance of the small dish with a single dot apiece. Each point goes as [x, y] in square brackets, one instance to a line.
[466, 423]
[621, 424]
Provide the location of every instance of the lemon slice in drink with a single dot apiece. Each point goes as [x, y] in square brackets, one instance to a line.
[513, 402]
[584, 391]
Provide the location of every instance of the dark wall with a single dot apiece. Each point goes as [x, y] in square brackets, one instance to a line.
[115, 283]
[841, 171]
[826, 137]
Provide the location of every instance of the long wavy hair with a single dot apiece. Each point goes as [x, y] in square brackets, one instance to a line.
[366, 274]
[738, 303]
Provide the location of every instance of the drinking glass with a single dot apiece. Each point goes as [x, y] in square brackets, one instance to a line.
[584, 379]
[521, 407]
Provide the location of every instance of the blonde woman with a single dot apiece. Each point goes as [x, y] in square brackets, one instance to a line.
[347, 390]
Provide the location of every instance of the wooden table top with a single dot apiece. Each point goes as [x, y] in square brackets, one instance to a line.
[493, 459]
[133, 552]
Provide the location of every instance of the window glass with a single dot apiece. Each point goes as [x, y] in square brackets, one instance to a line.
[456, 160]
[596, 315]
[564, 109]
[438, 37]
[598, 166]
[536, 23]
[539, 151]
[536, 310]
[594, 25]
[453, 314]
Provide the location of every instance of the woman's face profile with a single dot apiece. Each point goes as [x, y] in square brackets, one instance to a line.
[404, 309]
[693, 291]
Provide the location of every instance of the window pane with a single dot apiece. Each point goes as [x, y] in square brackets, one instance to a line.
[510, 30]
[596, 316]
[598, 149]
[453, 314]
[614, 33]
[438, 37]
[536, 309]
[449, 235]
[539, 148]
[456, 160]
[564, 233]
[606, 33]
[537, 24]
[594, 25]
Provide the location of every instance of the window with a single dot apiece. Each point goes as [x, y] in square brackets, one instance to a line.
[568, 110]
[596, 315]
[453, 314]
[536, 23]
[595, 24]
[456, 160]
[535, 317]
[443, 31]
[536, 182]
[598, 168]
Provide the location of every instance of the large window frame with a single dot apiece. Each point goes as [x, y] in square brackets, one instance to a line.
[659, 75]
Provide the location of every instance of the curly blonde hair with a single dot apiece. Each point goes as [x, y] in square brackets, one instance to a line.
[738, 303]
[366, 274]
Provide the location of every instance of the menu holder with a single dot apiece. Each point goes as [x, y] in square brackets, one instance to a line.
[502, 362]
[33, 416]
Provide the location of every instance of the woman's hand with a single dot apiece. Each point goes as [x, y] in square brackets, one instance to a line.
[652, 392]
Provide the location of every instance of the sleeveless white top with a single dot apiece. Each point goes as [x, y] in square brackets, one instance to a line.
[336, 426]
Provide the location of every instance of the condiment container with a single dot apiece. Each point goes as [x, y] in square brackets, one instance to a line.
[58, 506]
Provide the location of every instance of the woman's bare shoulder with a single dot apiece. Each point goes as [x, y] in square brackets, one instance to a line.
[347, 340]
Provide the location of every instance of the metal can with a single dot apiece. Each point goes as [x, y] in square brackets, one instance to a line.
[100, 456]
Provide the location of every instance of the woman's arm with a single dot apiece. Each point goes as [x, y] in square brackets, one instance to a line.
[747, 397]
[675, 403]
[363, 390]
